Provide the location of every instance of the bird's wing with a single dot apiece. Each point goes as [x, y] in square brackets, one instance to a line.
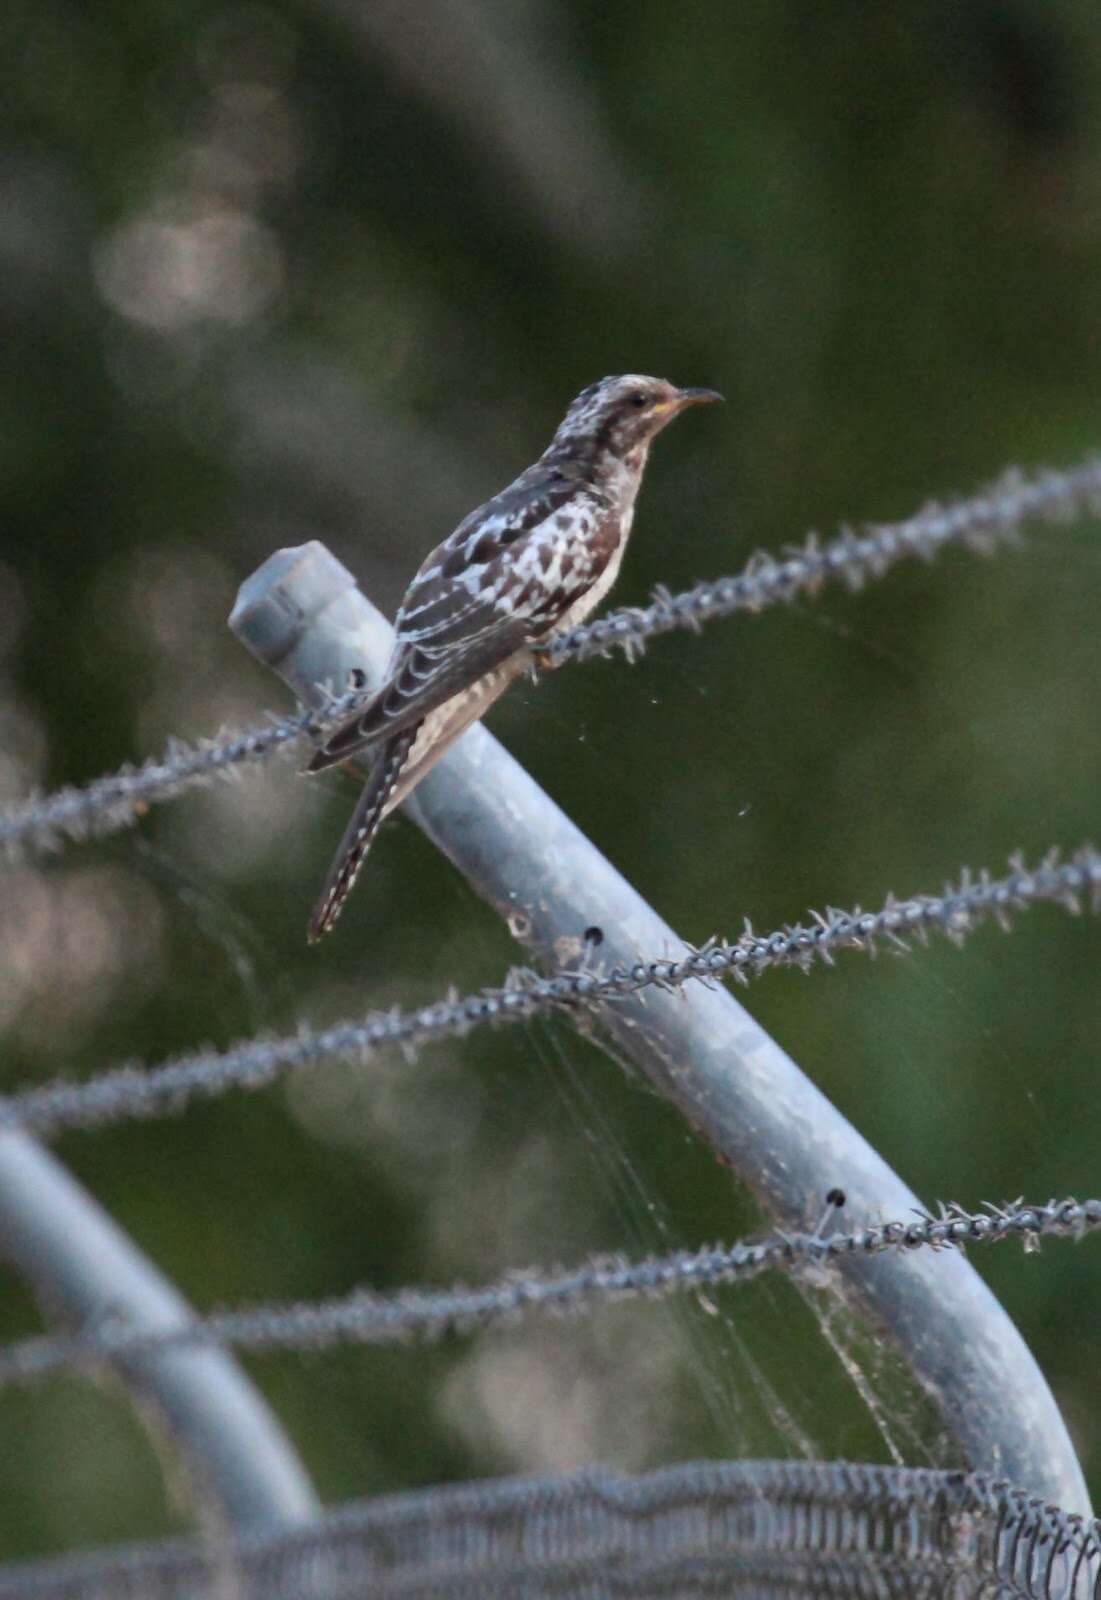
[501, 579]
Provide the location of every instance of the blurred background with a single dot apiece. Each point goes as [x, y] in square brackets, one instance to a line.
[327, 269]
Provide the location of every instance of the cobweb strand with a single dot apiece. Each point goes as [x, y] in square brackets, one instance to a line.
[428, 1315]
[133, 1092]
[982, 522]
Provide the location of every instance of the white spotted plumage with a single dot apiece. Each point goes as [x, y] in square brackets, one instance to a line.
[536, 558]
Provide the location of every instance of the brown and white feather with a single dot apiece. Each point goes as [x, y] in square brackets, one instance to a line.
[536, 558]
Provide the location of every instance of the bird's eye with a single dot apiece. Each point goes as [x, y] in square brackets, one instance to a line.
[638, 399]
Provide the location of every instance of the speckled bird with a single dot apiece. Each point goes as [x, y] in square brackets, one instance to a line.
[532, 562]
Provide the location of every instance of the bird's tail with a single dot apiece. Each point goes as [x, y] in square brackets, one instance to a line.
[360, 832]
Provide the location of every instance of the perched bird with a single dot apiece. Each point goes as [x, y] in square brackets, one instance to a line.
[531, 562]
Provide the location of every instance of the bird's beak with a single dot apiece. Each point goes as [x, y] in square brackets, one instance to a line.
[696, 397]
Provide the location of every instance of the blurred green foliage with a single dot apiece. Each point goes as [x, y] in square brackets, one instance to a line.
[291, 271]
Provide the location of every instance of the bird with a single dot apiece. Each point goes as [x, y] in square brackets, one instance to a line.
[530, 563]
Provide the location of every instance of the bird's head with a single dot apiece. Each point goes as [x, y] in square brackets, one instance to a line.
[623, 415]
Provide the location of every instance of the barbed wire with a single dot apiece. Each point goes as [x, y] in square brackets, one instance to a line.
[116, 801]
[982, 522]
[131, 1092]
[429, 1315]
[992, 517]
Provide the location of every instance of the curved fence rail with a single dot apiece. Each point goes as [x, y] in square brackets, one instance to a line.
[240, 1465]
[302, 614]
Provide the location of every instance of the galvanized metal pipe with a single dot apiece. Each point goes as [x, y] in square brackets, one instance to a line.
[84, 1269]
[302, 614]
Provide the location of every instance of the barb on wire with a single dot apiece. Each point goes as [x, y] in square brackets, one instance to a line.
[994, 516]
[135, 1092]
[429, 1315]
[47, 822]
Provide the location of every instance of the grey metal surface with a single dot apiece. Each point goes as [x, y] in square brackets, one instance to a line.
[302, 614]
[757, 1530]
[84, 1268]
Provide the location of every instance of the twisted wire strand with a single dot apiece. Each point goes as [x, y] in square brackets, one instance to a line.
[133, 1092]
[990, 518]
[429, 1315]
[982, 522]
[118, 800]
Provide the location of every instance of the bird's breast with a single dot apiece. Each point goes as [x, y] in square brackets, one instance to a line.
[605, 541]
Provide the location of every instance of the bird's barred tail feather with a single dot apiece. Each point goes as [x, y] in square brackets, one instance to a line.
[361, 830]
